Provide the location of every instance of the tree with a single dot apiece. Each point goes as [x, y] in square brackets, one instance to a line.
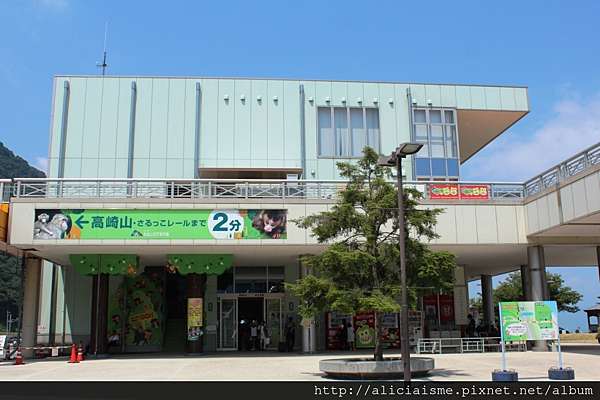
[359, 269]
[511, 289]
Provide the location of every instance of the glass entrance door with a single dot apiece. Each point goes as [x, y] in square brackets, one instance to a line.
[227, 313]
[273, 318]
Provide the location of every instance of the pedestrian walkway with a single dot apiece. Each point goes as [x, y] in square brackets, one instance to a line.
[584, 358]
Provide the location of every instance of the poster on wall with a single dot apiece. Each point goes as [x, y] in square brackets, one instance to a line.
[364, 330]
[194, 319]
[529, 320]
[82, 224]
[391, 332]
[453, 191]
[334, 330]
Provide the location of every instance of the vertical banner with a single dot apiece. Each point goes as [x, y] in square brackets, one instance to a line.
[194, 319]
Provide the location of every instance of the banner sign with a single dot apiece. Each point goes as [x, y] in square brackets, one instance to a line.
[529, 320]
[194, 319]
[474, 192]
[453, 191]
[443, 192]
[159, 224]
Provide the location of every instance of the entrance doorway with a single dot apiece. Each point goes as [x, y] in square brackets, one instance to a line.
[250, 312]
[236, 313]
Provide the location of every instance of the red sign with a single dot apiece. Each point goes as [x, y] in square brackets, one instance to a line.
[475, 192]
[443, 191]
[453, 191]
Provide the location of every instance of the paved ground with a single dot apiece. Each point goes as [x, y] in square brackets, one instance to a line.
[585, 359]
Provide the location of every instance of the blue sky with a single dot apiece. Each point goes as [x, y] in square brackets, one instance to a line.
[550, 46]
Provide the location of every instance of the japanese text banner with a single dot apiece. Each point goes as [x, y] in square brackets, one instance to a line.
[82, 224]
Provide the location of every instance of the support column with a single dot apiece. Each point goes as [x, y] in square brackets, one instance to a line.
[461, 297]
[309, 331]
[538, 284]
[99, 325]
[30, 305]
[526, 282]
[598, 259]
[196, 285]
[487, 299]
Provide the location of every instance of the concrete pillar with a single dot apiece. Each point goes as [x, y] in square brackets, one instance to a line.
[309, 331]
[99, 315]
[31, 282]
[461, 297]
[487, 299]
[598, 259]
[526, 282]
[538, 284]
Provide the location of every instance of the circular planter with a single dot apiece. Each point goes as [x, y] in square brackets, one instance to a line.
[367, 368]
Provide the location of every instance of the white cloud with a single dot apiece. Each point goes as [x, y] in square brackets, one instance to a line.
[574, 127]
[41, 163]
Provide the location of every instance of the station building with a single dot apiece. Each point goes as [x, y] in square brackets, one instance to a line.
[166, 222]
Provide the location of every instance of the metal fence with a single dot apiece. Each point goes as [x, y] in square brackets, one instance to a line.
[240, 189]
[571, 167]
[467, 345]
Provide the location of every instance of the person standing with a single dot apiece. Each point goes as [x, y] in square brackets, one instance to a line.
[254, 335]
[350, 336]
[263, 333]
[470, 326]
[290, 334]
[343, 332]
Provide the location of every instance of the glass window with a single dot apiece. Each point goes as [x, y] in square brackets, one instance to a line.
[420, 117]
[451, 150]
[449, 116]
[422, 167]
[344, 132]
[340, 117]
[359, 136]
[372, 115]
[436, 129]
[438, 167]
[452, 167]
[326, 138]
[435, 116]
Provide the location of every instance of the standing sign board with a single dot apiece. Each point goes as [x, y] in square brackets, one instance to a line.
[194, 319]
[2, 342]
[529, 320]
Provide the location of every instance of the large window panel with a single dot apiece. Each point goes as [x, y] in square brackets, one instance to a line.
[359, 134]
[438, 167]
[372, 115]
[422, 167]
[342, 140]
[326, 137]
[344, 132]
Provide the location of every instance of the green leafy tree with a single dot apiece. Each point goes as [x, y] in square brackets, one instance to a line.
[511, 289]
[359, 270]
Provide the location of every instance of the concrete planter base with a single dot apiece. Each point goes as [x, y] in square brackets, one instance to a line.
[505, 376]
[367, 368]
[561, 374]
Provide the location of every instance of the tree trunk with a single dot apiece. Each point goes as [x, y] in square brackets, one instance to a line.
[378, 354]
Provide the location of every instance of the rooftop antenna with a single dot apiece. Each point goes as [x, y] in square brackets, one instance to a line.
[103, 64]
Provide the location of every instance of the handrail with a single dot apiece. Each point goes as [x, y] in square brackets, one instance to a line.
[118, 188]
[572, 166]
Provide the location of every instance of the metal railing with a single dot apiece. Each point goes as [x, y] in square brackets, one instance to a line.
[5, 190]
[466, 345]
[570, 167]
[71, 188]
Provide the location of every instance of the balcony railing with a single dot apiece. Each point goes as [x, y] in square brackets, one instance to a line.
[571, 167]
[243, 189]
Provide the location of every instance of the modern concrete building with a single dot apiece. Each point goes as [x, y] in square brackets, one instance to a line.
[166, 220]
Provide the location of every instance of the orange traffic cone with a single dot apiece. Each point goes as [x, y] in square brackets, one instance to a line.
[73, 358]
[80, 353]
[19, 358]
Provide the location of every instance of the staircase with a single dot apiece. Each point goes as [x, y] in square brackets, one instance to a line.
[175, 336]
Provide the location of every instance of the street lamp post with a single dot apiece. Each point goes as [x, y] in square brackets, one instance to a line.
[395, 159]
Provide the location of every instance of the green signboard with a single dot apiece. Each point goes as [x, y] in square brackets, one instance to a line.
[529, 320]
[132, 224]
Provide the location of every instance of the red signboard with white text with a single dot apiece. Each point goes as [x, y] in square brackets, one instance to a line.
[454, 191]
